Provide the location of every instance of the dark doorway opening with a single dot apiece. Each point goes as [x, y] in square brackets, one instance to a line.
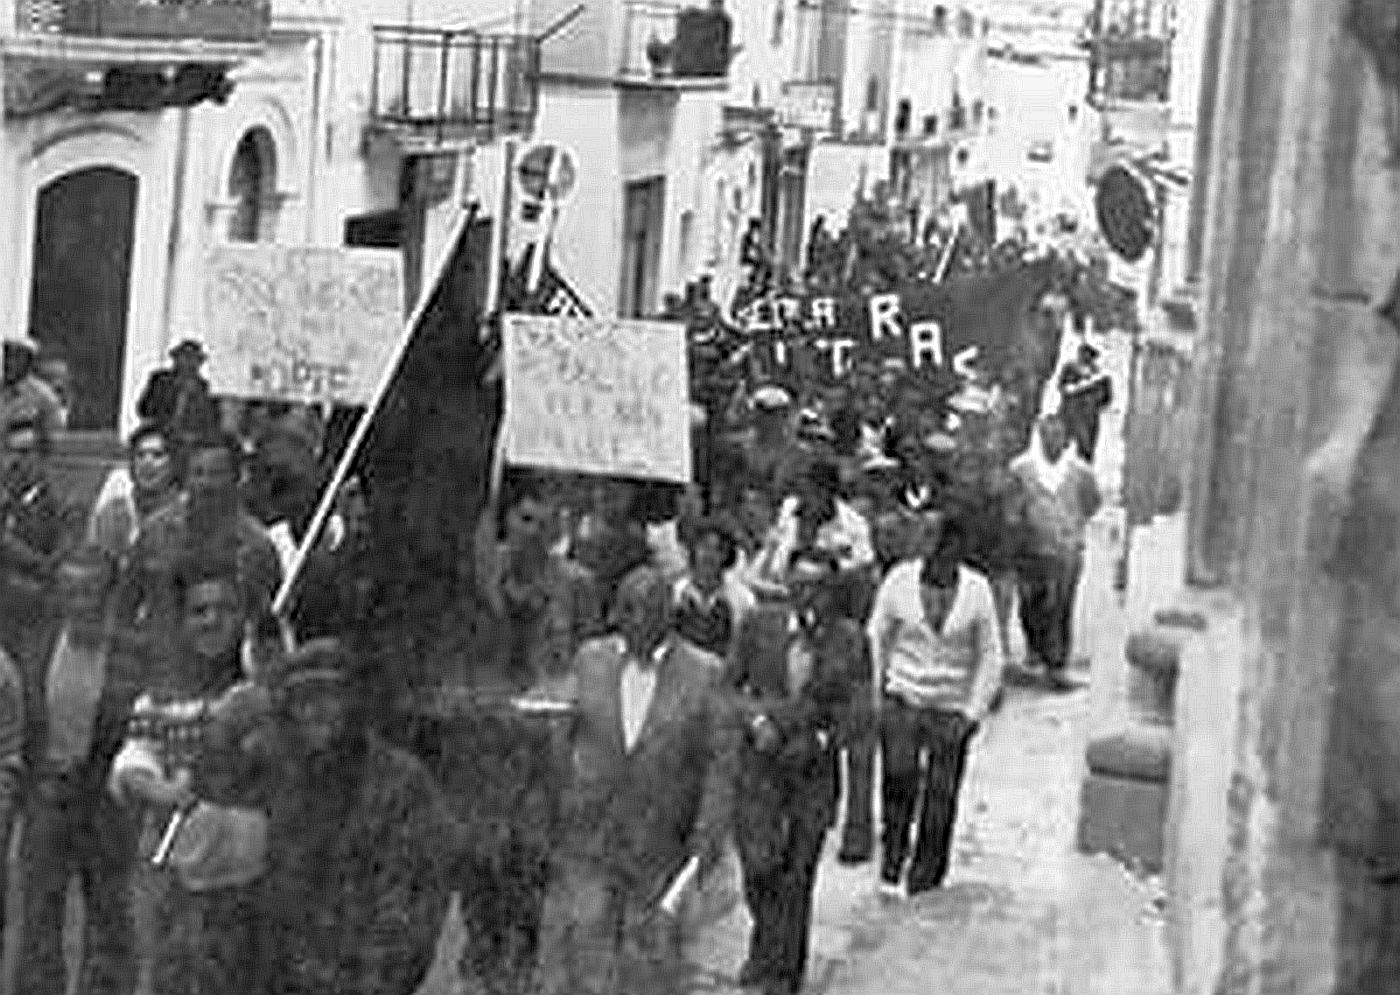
[80, 290]
[644, 204]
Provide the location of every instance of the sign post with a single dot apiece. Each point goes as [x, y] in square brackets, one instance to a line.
[547, 175]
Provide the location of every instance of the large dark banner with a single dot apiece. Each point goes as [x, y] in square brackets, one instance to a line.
[428, 464]
[963, 324]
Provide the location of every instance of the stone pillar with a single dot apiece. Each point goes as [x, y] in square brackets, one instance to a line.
[1295, 363]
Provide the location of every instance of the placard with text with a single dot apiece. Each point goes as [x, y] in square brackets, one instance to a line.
[597, 395]
[300, 323]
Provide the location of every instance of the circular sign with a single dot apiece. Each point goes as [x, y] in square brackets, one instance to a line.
[1126, 212]
[547, 172]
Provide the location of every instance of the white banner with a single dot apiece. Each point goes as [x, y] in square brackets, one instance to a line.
[597, 395]
[300, 323]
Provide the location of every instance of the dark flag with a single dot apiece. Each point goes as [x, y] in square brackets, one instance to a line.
[981, 203]
[425, 465]
[552, 296]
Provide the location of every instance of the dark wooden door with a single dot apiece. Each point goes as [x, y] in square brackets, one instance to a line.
[83, 235]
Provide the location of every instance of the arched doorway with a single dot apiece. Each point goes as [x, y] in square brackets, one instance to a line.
[252, 185]
[84, 226]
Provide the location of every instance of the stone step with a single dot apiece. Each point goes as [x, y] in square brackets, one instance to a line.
[1140, 752]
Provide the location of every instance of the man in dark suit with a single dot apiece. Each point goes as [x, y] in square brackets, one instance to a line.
[794, 666]
[649, 798]
[178, 399]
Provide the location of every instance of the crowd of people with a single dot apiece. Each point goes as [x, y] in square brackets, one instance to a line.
[686, 671]
[206, 771]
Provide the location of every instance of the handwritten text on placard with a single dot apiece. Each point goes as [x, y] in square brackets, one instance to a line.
[295, 323]
[594, 395]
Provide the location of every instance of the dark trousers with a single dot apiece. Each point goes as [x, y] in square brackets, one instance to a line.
[920, 796]
[502, 901]
[76, 830]
[1046, 587]
[210, 942]
[780, 827]
[599, 937]
[858, 739]
[858, 827]
[1084, 431]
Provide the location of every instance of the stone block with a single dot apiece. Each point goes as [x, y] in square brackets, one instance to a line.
[1154, 651]
[1139, 752]
[1124, 818]
[1154, 660]
[1181, 618]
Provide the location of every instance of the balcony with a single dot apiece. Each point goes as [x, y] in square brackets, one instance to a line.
[433, 87]
[127, 54]
[662, 42]
[186, 23]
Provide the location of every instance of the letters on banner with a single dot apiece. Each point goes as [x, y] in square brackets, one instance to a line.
[597, 395]
[924, 326]
[299, 323]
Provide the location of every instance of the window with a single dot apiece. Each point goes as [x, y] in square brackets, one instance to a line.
[252, 186]
[940, 19]
[872, 94]
[901, 117]
[779, 16]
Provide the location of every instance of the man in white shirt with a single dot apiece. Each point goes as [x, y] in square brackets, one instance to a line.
[817, 518]
[937, 664]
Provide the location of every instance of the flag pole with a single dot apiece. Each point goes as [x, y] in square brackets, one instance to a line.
[499, 233]
[357, 438]
[947, 259]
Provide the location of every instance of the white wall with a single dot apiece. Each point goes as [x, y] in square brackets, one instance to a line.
[834, 174]
[42, 149]
[1033, 104]
[588, 239]
[732, 187]
[691, 145]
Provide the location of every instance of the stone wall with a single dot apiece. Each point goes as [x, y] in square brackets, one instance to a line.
[1294, 367]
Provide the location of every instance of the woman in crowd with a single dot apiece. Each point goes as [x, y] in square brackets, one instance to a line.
[710, 601]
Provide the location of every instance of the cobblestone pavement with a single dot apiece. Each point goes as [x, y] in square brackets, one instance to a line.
[1022, 912]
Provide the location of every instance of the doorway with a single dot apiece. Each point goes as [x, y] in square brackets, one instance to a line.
[643, 205]
[83, 231]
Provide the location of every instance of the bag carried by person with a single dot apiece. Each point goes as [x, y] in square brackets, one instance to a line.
[219, 846]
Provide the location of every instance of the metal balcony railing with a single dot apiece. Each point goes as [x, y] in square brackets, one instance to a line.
[184, 20]
[667, 41]
[445, 84]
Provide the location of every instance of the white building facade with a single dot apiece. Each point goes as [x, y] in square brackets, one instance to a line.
[129, 146]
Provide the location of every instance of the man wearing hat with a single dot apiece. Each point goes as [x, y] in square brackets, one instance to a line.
[178, 399]
[771, 454]
[24, 397]
[360, 842]
[1085, 390]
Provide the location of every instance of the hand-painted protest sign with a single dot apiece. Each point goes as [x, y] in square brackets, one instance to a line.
[300, 323]
[965, 324]
[597, 395]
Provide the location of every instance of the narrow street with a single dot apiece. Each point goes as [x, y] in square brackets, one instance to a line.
[1022, 912]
